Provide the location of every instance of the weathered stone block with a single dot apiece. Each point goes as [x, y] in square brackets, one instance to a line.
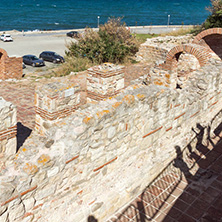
[104, 81]
[55, 101]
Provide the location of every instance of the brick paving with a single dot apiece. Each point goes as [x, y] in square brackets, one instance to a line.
[22, 96]
[133, 72]
[188, 190]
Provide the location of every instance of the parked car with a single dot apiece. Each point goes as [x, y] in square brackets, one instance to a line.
[51, 57]
[73, 34]
[6, 38]
[33, 60]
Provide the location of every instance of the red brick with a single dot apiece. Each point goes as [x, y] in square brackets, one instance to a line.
[174, 213]
[194, 212]
[186, 218]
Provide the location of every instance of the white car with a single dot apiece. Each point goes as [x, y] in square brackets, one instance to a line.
[6, 38]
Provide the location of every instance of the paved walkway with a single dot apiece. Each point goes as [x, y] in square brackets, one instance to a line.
[188, 190]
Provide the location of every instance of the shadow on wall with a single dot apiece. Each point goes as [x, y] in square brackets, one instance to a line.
[185, 190]
[23, 133]
[214, 42]
[92, 219]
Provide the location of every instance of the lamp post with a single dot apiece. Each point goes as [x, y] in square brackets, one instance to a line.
[168, 23]
[98, 21]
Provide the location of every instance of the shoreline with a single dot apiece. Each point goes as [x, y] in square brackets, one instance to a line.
[133, 28]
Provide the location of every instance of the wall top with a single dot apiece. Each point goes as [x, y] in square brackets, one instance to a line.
[106, 67]
[56, 88]
[4, 53]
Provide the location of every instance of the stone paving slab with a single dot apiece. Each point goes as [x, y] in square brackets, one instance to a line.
[179, 195]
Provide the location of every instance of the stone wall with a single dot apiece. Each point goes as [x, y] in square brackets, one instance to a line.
[8, 128]
[156, 49]
[55, 101]
[10, 67]
[94, 161]
[104, 81]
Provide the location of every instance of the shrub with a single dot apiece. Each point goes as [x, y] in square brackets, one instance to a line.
[214, 20]
[112, 43]
[72, 64]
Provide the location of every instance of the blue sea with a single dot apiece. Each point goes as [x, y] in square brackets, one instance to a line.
[73, 14]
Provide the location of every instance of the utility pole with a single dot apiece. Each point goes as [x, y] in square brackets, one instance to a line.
[98, 21]
[168, 23]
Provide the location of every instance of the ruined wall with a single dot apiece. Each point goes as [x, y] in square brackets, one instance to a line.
[156, 49]
[149, 53]
[104, 81]
[55, 101]
[96, 160]
[10, 67]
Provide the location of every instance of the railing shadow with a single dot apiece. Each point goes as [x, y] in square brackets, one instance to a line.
[191, 169]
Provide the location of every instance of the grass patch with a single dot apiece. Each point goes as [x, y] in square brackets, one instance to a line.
[143, 37]
[72, 64]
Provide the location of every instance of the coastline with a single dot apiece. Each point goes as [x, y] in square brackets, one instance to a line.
[154, 29]
[34, 42]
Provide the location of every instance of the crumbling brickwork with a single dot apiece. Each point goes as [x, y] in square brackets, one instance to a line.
[104, 81]
[10, 67]
[211, 39]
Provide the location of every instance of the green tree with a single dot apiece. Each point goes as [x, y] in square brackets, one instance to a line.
[215, 19]
[112, 43]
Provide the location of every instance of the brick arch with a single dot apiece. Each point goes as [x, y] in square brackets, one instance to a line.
[211, 39]
[201, 53]
[213, 31]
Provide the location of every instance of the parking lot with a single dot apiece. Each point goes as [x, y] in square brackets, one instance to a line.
[29, 70]
[35, 43]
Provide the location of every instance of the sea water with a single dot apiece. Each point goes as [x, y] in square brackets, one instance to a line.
[73, 14]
